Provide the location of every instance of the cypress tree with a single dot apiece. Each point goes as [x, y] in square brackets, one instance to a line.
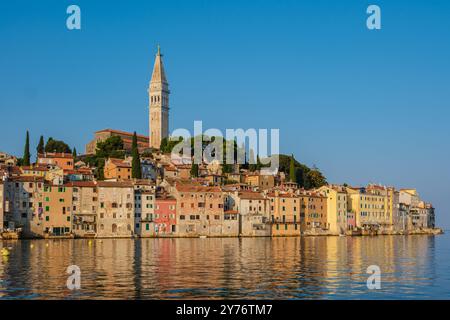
[26, 152]
[194, 170]
[136, 172]
[292, 176]
[41, 146]
[74, 153]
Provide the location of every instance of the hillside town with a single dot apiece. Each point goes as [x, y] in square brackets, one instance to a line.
[129, 185]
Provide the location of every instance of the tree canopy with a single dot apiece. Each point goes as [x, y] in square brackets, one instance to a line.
[59, 146]
[308, 178]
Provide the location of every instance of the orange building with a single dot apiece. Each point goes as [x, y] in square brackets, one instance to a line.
[117, 169]
[61, 160]
[57, 207]
[313, 211]
[284, 213]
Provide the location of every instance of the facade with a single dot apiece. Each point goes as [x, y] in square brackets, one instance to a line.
[23, 209]
[84, 208]
[368, 206]
[165, 215]
[57, 216]
[144, 212]
[200, 212]
[253, 209]
[115, 212]
[314, 211]
[117, 169]
[284, 213]
[336, 208]
[158, 93]
[61, 160]
[127, 138]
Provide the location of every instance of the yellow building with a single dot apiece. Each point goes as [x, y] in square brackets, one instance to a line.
[336, 208]
[369, 206]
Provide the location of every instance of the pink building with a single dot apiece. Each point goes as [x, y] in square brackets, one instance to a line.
[165, 214]
[351, 221]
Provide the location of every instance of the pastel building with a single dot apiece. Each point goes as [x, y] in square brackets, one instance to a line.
[314, 211]
[23, 197]
[115, 211]
[200, 212]
[336, 208]
[117, 169]
[284, 213]
[254, 212]
[84, 208]
[165, 215]
[60, 160]
[57, 205]
[144, 212]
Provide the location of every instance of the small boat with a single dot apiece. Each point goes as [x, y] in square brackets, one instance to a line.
[4, 252]
[202, 237]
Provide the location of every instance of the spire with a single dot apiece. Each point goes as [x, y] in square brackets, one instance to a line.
[158, 74]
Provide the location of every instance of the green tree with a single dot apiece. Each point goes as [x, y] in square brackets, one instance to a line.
[136, 172]
[57, 146]
[74, 153]
[292, 173]
[194, 170]
[41, 146]
[316, 179]
[26, 152]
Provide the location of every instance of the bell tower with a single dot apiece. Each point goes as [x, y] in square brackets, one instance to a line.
[158, 95]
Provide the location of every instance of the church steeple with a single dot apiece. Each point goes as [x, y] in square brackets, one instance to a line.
[158, 74]
[159, 103]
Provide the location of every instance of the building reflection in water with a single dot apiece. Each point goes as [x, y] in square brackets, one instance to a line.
[254, 268]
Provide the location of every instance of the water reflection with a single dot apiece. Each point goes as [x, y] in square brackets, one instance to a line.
[264, 268]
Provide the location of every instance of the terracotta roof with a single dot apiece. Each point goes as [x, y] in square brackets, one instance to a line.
[251, 195]
[123, 133]
[26, 179]
[115, 184]
[82, 184]
[196, 188]
[119, 163]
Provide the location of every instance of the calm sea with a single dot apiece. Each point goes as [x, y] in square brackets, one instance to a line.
[412, 267]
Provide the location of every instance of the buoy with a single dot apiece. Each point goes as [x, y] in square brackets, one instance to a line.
[90, 242]
[46, 245]
[31, 246]
[5, 252]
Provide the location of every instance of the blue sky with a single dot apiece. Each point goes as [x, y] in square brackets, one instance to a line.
[364, 106]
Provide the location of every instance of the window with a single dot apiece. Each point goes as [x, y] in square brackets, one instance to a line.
[181, 217]
[47, 209]
[47, 218]
[68, 218]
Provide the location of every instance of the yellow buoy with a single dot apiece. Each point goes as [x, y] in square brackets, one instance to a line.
[31, 246]
[5, 252]
[46, 245]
